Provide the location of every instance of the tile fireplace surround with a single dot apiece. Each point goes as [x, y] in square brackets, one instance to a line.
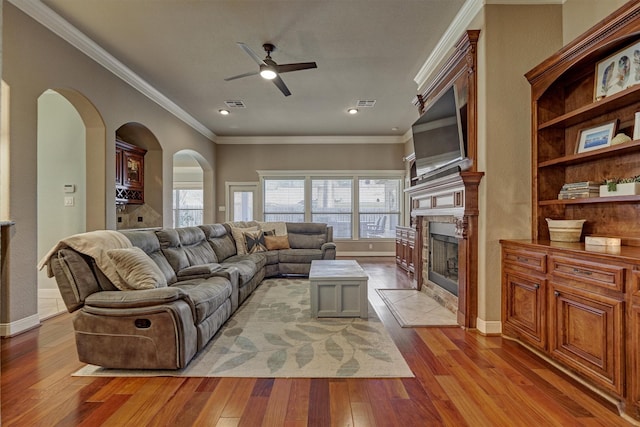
[449, 199]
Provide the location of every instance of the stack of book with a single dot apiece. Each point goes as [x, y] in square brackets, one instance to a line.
[579, 190]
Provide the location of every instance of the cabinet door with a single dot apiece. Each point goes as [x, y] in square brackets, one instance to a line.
[133, 164]
[633, 349]
[524, 308]
[118, 166]
[586, 333]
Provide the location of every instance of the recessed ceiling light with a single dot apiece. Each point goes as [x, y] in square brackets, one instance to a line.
[394, 128]
[223, 112]
[352, 111]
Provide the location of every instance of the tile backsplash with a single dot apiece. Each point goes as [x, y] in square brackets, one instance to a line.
[138, 216]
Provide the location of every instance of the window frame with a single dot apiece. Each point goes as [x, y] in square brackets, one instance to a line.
[354, 176]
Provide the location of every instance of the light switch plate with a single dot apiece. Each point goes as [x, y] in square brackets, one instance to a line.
[69, 201]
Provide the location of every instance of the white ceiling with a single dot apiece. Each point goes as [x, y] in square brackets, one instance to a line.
[365, 50]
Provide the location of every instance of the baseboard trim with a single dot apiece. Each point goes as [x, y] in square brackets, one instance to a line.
[19, 326]
[49, 293]
[489, 327]
[364, 254]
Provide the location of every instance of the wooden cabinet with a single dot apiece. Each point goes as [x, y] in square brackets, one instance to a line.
[523, 293]
[405, 248]
[129, 173]
[583, 308]
[571, 304]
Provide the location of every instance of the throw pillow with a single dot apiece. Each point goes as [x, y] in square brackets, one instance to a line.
[276, 242]
[238, 236]
[137, 269]
[254, 241]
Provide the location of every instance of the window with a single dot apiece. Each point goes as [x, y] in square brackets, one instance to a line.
[379, 207]
[357, 205]
[188, 207]
[284, 200]
[331, 203]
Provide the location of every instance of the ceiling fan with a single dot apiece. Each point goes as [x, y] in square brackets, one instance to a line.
[269, 69]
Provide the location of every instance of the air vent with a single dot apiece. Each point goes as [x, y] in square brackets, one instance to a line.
[235, 104]
[366, 103]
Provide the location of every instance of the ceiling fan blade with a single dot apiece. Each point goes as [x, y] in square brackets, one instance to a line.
[286, 68]
[239, 76]
[251, 53]
[283, 87]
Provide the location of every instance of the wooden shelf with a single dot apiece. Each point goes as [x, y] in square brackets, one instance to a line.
[584, 201]
[599, 108]
[573, 159]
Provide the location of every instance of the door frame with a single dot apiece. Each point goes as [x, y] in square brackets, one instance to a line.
[254, 187]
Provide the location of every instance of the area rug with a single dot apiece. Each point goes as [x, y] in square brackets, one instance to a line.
[413, 308]
[272, 335]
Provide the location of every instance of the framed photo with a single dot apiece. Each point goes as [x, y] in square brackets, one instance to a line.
[636, 126]
[596, 137]
[617, 72]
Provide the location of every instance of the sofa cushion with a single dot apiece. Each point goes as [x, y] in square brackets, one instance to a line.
[274, 243]
[299, 256]
[306, 241]
[206, 295]
[136, 269]
[278, 228]
[247, 268]
[271, 257]
[194, 242]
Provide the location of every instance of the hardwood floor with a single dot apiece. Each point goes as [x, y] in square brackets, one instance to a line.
[461, 379]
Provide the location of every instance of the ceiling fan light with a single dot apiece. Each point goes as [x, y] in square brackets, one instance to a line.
[268, 73]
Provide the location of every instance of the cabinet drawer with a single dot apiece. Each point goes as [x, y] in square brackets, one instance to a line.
[600, 275]
[531, 260]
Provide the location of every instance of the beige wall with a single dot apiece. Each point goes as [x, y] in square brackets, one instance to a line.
[34, 60]
[514, 39]
[580, 15]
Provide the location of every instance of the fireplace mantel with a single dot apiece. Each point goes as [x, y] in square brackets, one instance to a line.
[455, 195]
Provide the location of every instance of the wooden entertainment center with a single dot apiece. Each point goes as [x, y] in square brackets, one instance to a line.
[576, 304]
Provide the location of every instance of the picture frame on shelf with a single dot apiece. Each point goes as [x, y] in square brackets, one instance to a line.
[596, 137]
[617, 72]
[636, 126]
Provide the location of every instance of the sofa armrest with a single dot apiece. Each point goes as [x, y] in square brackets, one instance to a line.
[328, 250]
[135, 299]
[233, 275]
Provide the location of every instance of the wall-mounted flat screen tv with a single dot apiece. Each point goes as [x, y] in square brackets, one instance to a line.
[439, 136]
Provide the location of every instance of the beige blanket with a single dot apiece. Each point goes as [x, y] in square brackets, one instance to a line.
[94, 244]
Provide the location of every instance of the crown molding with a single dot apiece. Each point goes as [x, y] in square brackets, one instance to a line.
[459, 25]
[59, 26]
[298, 140]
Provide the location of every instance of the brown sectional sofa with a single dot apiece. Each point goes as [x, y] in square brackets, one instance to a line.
[163, 327]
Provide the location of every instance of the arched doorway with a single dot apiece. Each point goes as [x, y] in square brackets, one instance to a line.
[70, 201]
[150, 213]
[192, 201]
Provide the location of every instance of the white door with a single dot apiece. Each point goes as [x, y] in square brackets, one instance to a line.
[242, 201]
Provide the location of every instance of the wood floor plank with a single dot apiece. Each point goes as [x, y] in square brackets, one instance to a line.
[461, 379]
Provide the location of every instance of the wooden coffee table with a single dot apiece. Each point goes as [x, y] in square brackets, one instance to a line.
[338, 289]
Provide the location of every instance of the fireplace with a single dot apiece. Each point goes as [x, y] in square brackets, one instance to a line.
[443, 256]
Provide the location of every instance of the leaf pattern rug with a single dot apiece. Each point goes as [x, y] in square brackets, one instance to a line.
[272, 335]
